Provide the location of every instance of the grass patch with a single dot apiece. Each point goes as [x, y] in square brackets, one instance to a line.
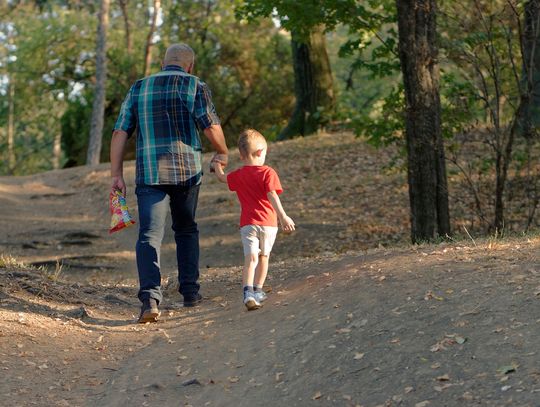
[8, 261]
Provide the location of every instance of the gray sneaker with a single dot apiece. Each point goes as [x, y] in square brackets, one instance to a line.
[251, 302]
[260, 296]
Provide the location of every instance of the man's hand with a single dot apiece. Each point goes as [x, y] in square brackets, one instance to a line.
[215, 135]
[221, 159]
[118, 145]
[117, 183]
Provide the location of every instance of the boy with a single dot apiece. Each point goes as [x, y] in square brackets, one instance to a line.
[257, 186]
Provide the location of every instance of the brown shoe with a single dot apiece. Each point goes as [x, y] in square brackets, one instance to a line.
[149, 311]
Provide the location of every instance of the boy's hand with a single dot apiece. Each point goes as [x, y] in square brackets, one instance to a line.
[287, 224]
[217, 168]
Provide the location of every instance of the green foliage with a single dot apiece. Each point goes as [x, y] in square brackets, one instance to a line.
[247, 65]
[459, 105]
[384, 123]
[367, 64]
[52, 66]
[42, 65]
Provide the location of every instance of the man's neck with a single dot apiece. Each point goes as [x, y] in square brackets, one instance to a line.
[174, 66]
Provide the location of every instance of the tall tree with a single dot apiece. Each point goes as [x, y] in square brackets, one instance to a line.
[150, 38]
[98, 107]
[305, 20]
[11, 124]
[10, 133]
[428, 193]
[313, 84]
[531, 63]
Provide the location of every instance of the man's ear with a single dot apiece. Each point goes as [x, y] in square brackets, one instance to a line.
[190, 67]
[259, 152]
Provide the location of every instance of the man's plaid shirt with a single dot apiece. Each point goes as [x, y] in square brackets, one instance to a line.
[166, 109]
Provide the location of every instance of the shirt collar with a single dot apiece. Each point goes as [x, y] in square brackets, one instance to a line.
[173, 68]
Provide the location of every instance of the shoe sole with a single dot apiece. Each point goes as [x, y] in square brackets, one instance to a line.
[149, 316]
[251, 305]
[192, 303]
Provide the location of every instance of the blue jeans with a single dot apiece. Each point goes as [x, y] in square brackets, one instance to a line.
[153, 202]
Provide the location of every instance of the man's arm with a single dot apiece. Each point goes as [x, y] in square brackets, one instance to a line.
[286, 223]
[214, 133]
[118, 146]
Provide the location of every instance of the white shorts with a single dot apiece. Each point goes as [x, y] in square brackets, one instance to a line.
[258, 240]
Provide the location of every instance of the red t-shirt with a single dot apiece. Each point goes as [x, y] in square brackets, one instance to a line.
[251, 184]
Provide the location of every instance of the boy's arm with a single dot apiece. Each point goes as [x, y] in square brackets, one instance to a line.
[286, 223]
[218, 170]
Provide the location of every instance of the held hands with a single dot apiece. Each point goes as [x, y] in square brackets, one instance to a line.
[217, 168]
[220, 159]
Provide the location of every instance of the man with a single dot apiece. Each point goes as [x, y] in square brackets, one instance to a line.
[166, 109]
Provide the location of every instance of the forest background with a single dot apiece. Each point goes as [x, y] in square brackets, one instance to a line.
[254, 54]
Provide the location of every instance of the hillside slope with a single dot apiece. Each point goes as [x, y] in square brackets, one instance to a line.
[347, 323]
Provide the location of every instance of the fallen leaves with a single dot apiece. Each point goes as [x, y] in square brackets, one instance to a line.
[443, 387]
[447, 341]
[432, 296]
[508, 369]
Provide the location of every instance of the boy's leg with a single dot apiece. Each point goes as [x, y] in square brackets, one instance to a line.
[250, 242]
[267, 238]
[261, 271]
[248, 274]
[260, 276]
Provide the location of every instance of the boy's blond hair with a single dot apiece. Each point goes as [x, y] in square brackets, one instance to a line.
[250, 141]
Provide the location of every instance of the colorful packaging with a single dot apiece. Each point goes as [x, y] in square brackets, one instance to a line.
[120, 217]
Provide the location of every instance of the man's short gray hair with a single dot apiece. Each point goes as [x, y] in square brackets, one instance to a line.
[179, 54]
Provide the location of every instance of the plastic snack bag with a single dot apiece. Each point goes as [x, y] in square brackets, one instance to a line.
[120, 217]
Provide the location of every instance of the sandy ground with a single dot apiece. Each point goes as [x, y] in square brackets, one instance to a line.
[347, 323]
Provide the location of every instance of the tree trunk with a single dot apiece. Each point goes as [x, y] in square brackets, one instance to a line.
[132, 75]
[315, 99]
[149, 42]
[127, 25]
[11, 125]
[98, 107]
[57, 149]
[531, 79]
[525, 117]
[531, 66]
[428, 192]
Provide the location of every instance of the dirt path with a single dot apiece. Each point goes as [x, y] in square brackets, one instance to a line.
[443, 325]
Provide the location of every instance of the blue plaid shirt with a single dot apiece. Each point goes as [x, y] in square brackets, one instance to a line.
[166, 109]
